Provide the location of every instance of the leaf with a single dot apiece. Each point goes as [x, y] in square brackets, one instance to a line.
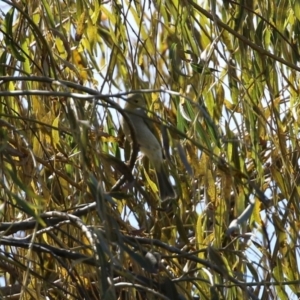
[202, 68]
[253, 271]
[49, 13]
[199, 233]
[10, 43]
[152, 184]
[297, 9]
[23, 205]
[80, 26]
[26, 64]
[55, 132]
[142, 261]
[3, 58]
[279, 277]
[219, 260]
[176, 59]
[92, 34]
[255, 217]
[80, 63]
[219, 101]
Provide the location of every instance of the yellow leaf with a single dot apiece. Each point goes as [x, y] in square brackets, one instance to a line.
[55, 132]
[109, 139]
[231, 106]
[199, 234]
[255, 216]
[80, 27]
[152, 184]
[60, 48]
[92, 33]
[297, 9]
[80, 64]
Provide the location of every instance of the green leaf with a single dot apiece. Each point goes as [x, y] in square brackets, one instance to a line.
[297, 9]
[3, 63]
[9, 41]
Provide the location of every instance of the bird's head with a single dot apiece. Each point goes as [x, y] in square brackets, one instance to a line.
[135, 101]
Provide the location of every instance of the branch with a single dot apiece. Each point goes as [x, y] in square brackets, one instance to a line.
[242, 38]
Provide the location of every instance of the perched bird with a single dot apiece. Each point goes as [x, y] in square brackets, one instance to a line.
[148, 143]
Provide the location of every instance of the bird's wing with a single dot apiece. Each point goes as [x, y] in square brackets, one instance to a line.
[147, 120]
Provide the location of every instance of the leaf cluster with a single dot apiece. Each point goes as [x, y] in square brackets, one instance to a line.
[80, 210]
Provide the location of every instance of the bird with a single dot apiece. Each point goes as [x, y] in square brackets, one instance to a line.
[149, 145]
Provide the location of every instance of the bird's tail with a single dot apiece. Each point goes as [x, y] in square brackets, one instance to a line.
[165, 187]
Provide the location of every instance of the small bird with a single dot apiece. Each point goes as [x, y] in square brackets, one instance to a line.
[148, 143]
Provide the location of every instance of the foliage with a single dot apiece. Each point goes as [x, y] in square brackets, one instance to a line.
[221, 82]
